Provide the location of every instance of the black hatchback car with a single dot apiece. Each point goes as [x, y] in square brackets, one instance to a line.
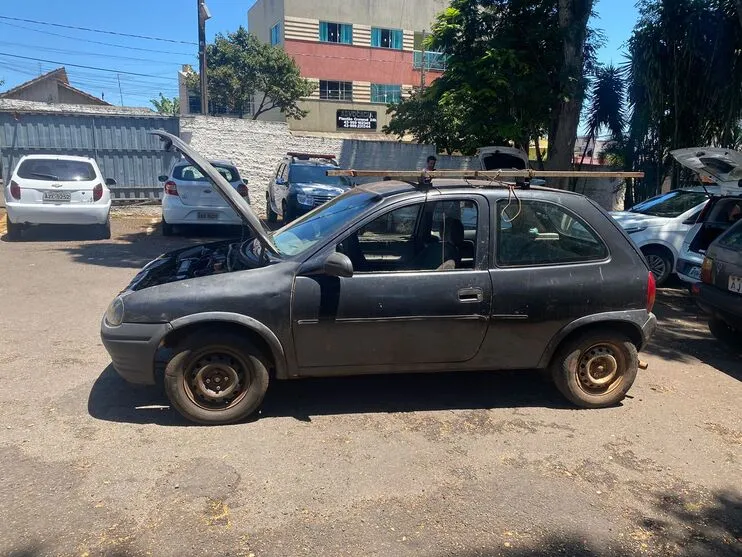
[388, 278]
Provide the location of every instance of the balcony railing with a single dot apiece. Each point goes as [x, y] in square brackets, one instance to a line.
[433, 60]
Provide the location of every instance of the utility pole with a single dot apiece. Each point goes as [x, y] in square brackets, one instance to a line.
[121, 94]
[203, 15]
[422, 64]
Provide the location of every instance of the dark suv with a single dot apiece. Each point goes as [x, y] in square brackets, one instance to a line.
[391, 277]
[300, 184]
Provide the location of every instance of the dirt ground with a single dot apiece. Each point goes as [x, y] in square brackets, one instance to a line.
[463, 465]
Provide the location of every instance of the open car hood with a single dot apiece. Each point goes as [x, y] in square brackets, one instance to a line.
[724, 166]
[225, 189]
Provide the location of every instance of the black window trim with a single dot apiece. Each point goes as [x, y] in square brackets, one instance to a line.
[495, 238]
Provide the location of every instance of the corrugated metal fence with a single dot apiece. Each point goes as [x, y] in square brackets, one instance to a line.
[122, 145]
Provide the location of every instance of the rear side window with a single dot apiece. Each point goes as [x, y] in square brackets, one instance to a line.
[50, 170]
[192, 174]
[732, 239]
[540, 233]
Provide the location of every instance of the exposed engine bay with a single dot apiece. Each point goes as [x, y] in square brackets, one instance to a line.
[199, 261]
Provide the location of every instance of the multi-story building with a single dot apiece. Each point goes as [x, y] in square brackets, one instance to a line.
[361, 55]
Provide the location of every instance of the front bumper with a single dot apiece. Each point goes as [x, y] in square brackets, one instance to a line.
[132, 347]
[720, 304]
[70, 213]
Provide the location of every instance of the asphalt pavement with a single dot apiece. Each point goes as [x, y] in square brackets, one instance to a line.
[460, 465]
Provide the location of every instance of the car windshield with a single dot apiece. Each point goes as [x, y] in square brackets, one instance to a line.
[671, 204]
[51, 170]
[320, 224]
[312, 174]
[190, 173]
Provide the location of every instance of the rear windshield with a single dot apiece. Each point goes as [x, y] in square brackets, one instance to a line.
[190, 173]
[50, 170]
[671, 204]
[312, 174]
[733, 238]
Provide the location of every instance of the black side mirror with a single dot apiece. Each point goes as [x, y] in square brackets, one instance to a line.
[338, 265]
[162, 178]
[110, 182]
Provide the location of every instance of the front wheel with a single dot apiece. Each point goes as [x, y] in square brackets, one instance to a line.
[270, 213]
[596, 369]
[216, 378]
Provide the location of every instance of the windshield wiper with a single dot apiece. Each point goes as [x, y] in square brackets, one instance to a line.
[42, 175]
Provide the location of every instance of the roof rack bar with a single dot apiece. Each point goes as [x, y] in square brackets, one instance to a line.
[484, 174]
[310, 155]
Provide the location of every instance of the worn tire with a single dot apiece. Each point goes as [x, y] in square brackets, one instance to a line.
[270, 213]
[13, 230]
[660, 263]
[167, 228]
[193, 360]
[577, 372]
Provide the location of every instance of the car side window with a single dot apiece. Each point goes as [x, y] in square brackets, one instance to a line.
[279, 170]
[533, 232]
[439, 236]
[285, 173]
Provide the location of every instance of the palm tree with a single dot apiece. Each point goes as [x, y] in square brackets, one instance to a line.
[606, 109]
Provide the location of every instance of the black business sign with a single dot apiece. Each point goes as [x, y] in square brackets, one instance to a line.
[356, 119]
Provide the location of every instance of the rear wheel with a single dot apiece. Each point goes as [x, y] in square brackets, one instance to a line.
[216, 378]
[271, 214]
[104, 230]
[14, 230]
[167, 229]
[596, 369]
[724, 332]
[660, 263]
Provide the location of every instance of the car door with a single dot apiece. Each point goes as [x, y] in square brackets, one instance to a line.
[549, 269]
[396, 310]
[282, 185]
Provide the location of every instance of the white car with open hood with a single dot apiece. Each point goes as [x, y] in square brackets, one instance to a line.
[57, 189]
[724, 166]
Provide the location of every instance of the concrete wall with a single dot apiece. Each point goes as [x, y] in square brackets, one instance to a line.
[416, 15]
[264, 15]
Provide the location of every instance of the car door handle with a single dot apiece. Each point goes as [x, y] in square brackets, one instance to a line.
[471, 295]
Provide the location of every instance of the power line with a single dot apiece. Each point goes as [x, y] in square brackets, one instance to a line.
[92, 41]
[96, 30]
[80, 66]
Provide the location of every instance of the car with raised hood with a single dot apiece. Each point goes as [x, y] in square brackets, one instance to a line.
[189, 197]
[660, 224]
[390, 278]
[719, 294]
[300, 183]
[57, 189]
[724, 208]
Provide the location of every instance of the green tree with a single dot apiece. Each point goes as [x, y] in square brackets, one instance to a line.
[684, 79]
[248, 77]
[166, 105]
[503, 71]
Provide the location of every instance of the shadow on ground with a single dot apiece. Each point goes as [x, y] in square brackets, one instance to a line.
[683, 336]
[112, 399]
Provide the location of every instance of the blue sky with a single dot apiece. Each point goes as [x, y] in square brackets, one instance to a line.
[156, 61]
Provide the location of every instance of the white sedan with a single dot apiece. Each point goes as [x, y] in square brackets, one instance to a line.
[659, 225]
[57, 189]
[190, 198]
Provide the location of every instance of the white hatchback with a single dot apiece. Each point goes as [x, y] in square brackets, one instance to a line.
[190, 198]
[57, 189]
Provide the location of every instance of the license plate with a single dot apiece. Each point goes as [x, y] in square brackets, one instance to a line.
[207, 216]
[695, 273]
[57, 196]
[735, 284]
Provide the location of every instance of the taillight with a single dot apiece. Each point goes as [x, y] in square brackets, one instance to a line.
[651, 291]
[242, 190]
[171, 188]
[708, 263]
[15, 190]
[97, 192]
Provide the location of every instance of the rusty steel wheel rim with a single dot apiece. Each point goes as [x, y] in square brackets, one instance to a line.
[600, 369]
[217, 378]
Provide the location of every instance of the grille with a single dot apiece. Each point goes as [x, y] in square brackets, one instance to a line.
[322, 199]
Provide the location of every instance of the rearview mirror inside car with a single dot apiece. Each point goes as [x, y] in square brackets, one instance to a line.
[110, 182]
[338, 265]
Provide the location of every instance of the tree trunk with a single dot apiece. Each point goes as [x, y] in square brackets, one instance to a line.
[739, 10]
[573, 17]
[539, 155]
